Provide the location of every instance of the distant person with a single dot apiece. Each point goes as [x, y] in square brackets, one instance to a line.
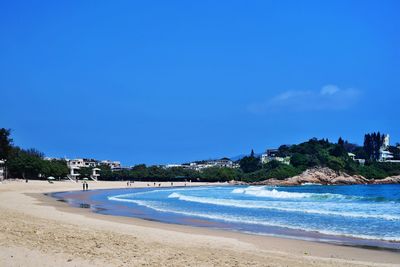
[26, 180]
[172, 184]
[154, 184]
[159, 185]
[87, 186]
[127, 183]
[83, 186]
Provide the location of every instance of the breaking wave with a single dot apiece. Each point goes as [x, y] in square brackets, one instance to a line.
[280, 206]
[366, 212]
[154, 205]
[265, 192]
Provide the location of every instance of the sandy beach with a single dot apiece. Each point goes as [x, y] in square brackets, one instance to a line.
[37, 230]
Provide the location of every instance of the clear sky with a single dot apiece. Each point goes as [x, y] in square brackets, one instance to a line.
[175, 81]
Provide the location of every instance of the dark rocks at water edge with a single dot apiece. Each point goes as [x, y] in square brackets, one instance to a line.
[327, 176]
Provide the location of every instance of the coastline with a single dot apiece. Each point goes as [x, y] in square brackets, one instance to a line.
[77, 237]
[326, 176]
[96, 202]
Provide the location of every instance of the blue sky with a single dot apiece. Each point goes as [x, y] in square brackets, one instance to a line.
[174, 81]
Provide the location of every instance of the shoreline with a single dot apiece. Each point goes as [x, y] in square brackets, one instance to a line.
[190, 245]
[80, 200]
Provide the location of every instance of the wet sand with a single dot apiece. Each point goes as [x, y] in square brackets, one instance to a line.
[37, 230]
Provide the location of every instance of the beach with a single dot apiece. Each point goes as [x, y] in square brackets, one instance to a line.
[37, 230]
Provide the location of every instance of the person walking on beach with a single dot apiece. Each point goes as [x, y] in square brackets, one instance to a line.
[87, 186]
[83, 186]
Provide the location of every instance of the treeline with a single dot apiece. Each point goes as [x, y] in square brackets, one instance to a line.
[158, 173]
[28, 163]
[325, 154]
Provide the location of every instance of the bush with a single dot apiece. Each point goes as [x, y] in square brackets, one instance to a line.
[272, 169]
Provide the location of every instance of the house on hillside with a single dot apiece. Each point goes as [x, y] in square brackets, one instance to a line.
[384, 154]
[222, 163]
[272, 154]
[353, 157]
[112, 164]
[204, 164]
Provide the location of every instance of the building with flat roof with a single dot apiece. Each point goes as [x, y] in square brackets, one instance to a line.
[384, 154]
[112, 164]
[272, 154]
[200, 165]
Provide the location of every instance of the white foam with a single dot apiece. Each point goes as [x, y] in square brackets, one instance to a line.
[249, 220]
[174, 195]
[281, 206]
[132, 195]
[262, 191]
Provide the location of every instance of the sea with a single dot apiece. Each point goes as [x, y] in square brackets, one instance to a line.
[354, 215]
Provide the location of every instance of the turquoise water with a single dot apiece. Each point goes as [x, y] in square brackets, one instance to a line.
[357, 214]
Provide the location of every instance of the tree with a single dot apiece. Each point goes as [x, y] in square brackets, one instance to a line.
[5, 143]
[85, 172]
[252, 153]
[284, 151]
[56, 168]
[340, 141]
[219, 174]
[372, 144]
[338, 151]
[349, 147]
[25, 163]
[250, 163]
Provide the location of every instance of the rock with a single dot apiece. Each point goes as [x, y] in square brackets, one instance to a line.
[318, 175]
[389, 180]
[234, 182]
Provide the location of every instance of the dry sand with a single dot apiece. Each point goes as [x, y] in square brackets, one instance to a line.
[36, 230]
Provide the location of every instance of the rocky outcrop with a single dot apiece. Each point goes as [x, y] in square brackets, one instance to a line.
[234, 182]
[319, 175]
[389, 180]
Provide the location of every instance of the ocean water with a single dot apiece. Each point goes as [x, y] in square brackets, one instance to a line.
[367, 215]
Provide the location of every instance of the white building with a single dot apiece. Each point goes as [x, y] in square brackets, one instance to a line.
[272, 154]
[82, 163]
[111, 164]
[353, 157]
[173, 166]
[222, 163]
[200, 165]
[75, 164]
[384, 153]
[95, 174]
